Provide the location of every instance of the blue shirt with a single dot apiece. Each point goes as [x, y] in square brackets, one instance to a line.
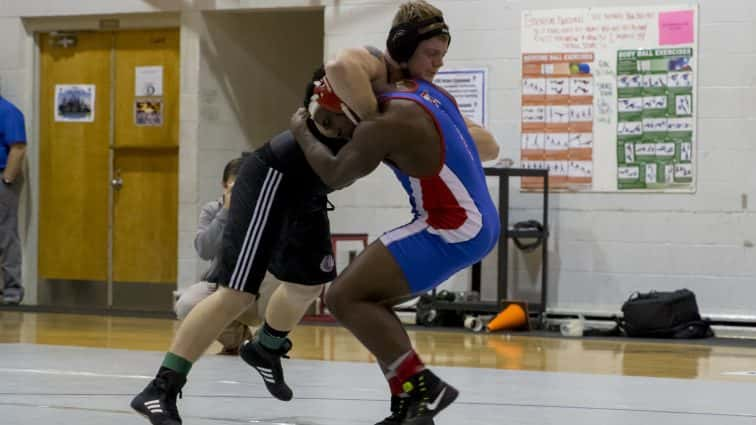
[12, 130]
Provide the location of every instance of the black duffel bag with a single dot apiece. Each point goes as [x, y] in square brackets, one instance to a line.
[427, 315]
[664, 315]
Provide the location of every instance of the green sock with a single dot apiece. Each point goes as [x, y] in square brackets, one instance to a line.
[177, 363]
[270, 338]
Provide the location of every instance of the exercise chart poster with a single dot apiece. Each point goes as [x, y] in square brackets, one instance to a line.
[593, 158]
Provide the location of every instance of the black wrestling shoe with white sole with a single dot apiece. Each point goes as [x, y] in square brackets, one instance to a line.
[268, 364]
[157, 402]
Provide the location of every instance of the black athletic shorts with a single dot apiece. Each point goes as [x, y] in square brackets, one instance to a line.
[278, 221]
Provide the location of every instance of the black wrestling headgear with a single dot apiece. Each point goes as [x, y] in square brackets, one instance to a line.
[403, 39]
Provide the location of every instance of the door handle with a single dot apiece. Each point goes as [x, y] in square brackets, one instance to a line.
[117, 181]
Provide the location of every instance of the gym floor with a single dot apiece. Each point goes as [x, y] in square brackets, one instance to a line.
[84, 369]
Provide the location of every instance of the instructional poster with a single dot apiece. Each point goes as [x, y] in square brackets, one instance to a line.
[654, 118]
[468, 86]
[609, 97]
[557, 118]
[148, 81]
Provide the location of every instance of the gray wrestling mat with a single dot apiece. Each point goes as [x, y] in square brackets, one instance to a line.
[48, 385]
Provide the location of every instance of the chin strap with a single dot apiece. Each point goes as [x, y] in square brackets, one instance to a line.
[350, 114]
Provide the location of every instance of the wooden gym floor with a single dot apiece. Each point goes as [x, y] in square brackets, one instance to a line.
[77, 369]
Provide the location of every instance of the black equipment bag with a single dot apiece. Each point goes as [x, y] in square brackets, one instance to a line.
[664, 315]
[428, 315]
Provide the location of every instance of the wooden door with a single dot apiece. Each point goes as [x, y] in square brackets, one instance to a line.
[74, 158]
[145, 152]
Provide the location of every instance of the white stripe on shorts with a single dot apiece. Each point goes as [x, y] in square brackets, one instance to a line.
[255, 230]
[405, 231]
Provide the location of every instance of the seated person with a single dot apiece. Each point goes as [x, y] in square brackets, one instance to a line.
[207, 242]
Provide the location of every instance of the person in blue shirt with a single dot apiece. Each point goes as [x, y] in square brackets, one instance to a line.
[12, 150]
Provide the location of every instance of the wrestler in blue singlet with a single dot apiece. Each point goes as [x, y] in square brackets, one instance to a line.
[455, 221]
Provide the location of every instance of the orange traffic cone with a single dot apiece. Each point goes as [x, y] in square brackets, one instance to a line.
[512, 317]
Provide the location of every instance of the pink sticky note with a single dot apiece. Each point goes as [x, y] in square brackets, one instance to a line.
[676, 27]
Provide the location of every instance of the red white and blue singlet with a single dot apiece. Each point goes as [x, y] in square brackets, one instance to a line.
[455, 221]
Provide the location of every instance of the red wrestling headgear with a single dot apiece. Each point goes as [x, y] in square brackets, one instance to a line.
[324, 96]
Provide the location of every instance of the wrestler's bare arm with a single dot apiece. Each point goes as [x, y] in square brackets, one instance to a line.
[488, 149]
[356, 159]
[401, 134]
[352, 74]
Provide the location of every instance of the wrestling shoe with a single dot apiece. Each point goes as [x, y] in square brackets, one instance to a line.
[268, 364]
[13, 296]
[157, 402]
[399, 407]
[428, 396]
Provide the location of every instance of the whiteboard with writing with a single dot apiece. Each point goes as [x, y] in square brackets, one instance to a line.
[601, 33]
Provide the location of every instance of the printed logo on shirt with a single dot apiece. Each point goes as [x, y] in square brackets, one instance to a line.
[425, 95]
[327, 264]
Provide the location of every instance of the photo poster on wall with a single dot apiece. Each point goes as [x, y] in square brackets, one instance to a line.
[148, 92]
[468, 86]
[609, 97]
[75, 102]
[148, 112]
